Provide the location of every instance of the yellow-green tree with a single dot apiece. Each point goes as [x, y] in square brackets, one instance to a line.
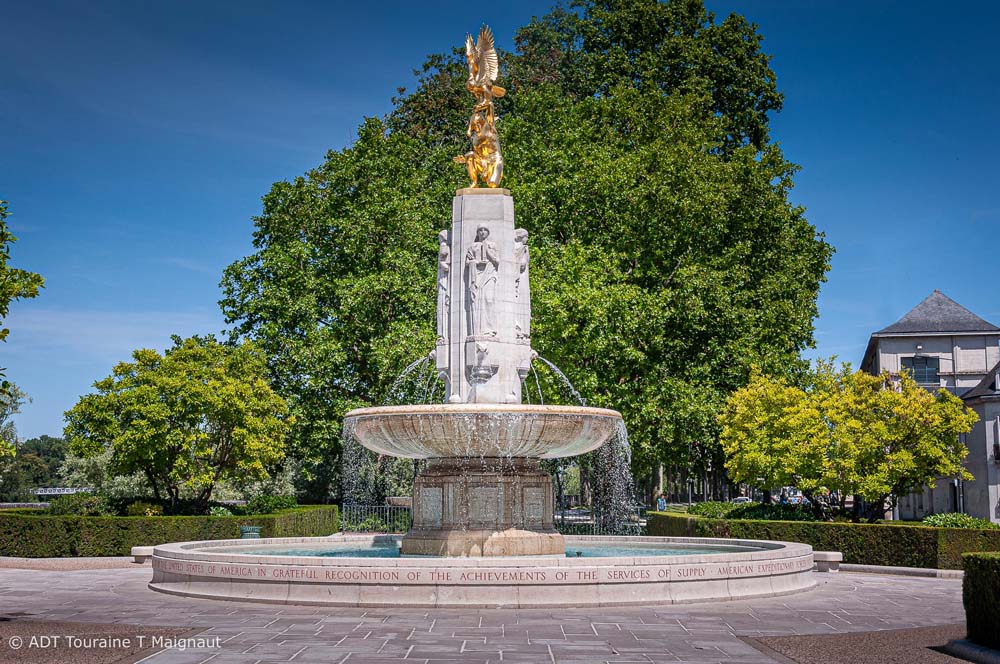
[871, 436]
[201, 413]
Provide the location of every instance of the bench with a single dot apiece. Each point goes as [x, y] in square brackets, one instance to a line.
[140, 554]
[827, 561]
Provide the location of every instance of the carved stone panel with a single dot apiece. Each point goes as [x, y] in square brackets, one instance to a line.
[484, 506]
[534, 506]
[430, 507]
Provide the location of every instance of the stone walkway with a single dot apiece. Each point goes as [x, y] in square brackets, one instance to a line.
[703, 633]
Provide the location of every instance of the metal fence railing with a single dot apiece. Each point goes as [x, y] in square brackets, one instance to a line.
[375, 519]
[629, 528]
[586, 522]
[398, 519]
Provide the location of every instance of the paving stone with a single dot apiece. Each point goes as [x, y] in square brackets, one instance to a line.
[696, 633]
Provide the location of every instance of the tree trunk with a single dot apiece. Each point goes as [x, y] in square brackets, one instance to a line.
[875, 510]
[559, 491]
[152, 483]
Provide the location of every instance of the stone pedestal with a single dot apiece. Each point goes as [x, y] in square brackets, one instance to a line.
[483, 507]
[484, 302]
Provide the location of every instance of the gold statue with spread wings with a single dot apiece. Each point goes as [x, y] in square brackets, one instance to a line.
[484, 162]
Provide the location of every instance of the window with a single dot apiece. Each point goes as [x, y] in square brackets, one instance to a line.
[924, 369]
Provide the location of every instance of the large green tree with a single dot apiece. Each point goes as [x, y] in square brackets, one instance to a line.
[199, 414]
[20, 469]
[50, 451]
[11, 400]
[34, 464]
[666, 257]
[15, 284]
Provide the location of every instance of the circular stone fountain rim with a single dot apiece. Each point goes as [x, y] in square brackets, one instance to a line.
[193, 569]
[207, 550]
[482, 408]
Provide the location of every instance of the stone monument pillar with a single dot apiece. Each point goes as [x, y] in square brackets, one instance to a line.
[484, 344]
[483, 506]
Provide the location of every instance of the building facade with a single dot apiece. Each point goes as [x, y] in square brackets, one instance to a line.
[944, 345]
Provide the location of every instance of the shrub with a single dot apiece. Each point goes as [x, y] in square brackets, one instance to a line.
[713, 509]
[44, 536]
[772, 512]
[80, 504]
[980, 590]
[219, 510]
[957, 520]
[142, 508]
[270, 504]
[372, 524]
[96, 473]
[861, 543]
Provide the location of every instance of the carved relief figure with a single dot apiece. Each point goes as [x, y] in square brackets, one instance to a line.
[522, 289]
[443, 282]
[482, 261]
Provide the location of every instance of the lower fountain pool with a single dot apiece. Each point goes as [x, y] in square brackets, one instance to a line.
[367, 571]
[390, 549]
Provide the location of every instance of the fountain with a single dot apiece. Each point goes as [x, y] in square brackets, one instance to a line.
[482, 492]
[483, 529]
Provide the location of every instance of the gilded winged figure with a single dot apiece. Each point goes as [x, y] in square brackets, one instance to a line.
[484, 162]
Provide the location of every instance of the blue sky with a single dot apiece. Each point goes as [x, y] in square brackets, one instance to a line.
[136, 140]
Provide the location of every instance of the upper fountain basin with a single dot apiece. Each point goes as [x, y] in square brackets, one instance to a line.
[433, 431]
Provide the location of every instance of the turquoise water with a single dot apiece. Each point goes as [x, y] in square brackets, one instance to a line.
[391, 550]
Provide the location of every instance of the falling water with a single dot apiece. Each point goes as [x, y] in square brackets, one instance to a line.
[611, 472]
[365, 478]
[565, 381]
[538, 385]
[396, 394]
[359, 481]
[613, 484]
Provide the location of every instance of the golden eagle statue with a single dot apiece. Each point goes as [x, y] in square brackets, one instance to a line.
[484, 161]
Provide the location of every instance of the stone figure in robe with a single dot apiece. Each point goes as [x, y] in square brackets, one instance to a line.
[443, 284]
[522, 288]
[482, 262]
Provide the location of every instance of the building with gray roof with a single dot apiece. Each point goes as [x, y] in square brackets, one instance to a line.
[944, 345]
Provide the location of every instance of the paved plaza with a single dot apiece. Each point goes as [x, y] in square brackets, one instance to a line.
[261, 633]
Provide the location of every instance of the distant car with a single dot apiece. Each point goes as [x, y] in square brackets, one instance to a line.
[742, 500]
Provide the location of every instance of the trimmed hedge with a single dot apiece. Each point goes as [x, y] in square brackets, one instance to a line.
[861, 543]
[980, 595]
[45, 536]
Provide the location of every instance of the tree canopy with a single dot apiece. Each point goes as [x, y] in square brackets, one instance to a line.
[35, 463]
[666, 256]
[201, 413]
[15, 284]
[852, 432]
[12, 398]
